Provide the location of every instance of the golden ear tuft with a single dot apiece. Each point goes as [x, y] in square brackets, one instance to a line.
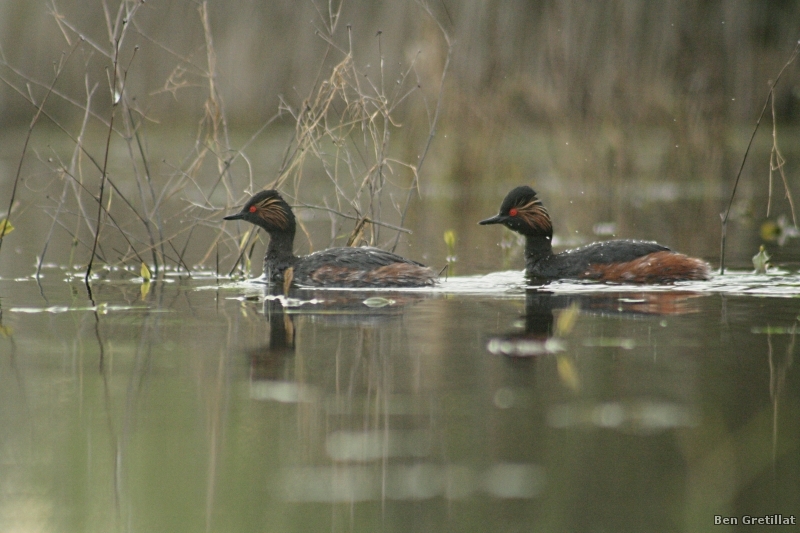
[272, 212]
[535, 215]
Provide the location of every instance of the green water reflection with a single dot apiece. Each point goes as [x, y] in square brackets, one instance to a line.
[207, 408]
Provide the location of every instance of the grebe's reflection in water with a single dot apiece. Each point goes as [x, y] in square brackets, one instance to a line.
[589, 368]
[542, 332]
[359, 423]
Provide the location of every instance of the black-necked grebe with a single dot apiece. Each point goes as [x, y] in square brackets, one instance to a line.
[335, 267]
[611, 261]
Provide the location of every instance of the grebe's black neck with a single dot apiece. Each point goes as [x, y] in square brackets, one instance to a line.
[280, 252]
[537, 248]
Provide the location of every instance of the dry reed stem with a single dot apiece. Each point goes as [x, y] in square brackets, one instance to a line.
[104, 173]
[73, 164]
[151, 217]
[344, 126]
[338, 113]
[434, 121]
[154, 212]
[116, 33]
[727, 213]
[777, 162]
[35, 119]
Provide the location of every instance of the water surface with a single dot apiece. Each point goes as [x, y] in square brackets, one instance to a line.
[482, 405]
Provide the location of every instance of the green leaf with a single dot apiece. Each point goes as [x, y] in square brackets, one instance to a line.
[145, 272]
[5, 227]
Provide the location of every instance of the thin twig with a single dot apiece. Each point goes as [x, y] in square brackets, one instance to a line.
[76, 152]
[30, 132]
[180, 259]
[357, 218]
[120, 25]
[432, 132]
[243, 249]
[104, 173]
[777, 162]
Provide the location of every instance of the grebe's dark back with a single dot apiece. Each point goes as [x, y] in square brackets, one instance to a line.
[334, 267]
[620, 261]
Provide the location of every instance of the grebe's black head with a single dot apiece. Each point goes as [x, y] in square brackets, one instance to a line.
[524, 213]
[268, 210]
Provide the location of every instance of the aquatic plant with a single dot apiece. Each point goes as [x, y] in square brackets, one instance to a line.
[776, 161]
[450, 242]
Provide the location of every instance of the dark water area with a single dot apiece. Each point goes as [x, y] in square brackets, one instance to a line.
[482, 405]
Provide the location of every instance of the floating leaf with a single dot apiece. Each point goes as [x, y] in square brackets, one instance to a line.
[761, 261]
[377, 301]
[145, 272]
[5, 227]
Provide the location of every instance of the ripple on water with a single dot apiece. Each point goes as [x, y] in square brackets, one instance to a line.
[775, 283]
[512, 283]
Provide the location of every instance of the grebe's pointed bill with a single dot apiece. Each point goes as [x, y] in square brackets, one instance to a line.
[237, 216]
[497, 219]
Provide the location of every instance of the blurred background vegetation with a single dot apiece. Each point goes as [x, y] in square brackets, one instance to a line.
[618, 101]
[530, 62]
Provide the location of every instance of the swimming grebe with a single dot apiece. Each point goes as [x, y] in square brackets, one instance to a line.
[335, 267]
[612, 261]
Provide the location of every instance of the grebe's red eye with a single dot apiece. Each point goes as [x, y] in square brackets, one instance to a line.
[252, 209]
[512, 212]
